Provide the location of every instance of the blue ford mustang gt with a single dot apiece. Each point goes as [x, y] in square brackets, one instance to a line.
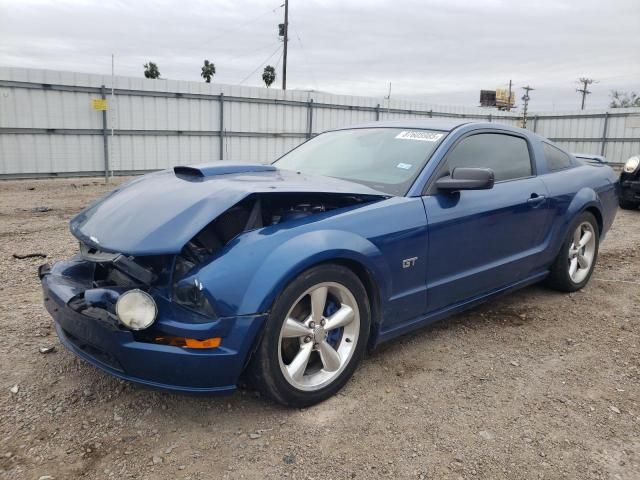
[286, 273]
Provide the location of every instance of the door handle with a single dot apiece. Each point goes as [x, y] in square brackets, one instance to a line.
[536, 200]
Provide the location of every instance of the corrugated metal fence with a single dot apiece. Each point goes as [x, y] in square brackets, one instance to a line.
[48, 126]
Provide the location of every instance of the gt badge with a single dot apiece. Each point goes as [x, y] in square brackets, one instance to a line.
[409, 262]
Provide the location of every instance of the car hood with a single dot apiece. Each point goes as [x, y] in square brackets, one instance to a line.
[160, 212]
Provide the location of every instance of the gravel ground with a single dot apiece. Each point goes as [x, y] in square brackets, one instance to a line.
[533, 385]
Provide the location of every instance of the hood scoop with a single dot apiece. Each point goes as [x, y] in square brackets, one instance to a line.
[220, 168]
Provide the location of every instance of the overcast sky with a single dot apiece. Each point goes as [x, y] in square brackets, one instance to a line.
[437, 51]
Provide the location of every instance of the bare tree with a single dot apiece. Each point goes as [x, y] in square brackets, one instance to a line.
[624, 99]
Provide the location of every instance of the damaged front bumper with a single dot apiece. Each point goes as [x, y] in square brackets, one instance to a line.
[95, 335]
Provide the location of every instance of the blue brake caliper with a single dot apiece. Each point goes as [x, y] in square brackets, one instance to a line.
[333, 337]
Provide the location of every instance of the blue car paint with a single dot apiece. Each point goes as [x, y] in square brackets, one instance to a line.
[160, 212]
[468, 247]
[116, 350]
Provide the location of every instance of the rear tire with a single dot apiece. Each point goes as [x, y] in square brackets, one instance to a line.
[576, 260]
[314, 338]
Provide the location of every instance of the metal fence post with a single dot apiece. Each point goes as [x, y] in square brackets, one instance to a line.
[309, 118]
[604, 133]
[105, 137]
[535, 123]
[221, 126]
[378, 113]
[490, 118]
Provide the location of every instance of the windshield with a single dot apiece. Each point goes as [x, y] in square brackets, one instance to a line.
[386, 159]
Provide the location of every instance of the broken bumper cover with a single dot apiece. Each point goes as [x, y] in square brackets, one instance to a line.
[117, 351]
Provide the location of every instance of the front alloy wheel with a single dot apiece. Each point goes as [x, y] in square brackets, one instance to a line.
[314, 338]
[319, 335]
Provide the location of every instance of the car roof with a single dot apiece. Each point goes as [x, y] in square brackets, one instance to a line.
[443, 124]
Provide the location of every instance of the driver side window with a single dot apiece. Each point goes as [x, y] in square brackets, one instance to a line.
[507, 155]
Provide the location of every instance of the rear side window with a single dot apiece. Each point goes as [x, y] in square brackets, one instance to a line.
[507, 155]
[556, 158]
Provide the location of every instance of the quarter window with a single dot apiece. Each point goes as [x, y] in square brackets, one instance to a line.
[556, 158]
[507, 155]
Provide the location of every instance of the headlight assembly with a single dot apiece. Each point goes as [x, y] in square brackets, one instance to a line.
[632, 164]
[136, 309]
[191, 295]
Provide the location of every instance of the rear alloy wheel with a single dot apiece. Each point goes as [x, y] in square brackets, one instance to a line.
[574, 264]
[582, 252]
[314, 338]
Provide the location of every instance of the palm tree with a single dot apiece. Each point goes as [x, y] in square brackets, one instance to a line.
[151, 70]
[208, 71]
[269, 75]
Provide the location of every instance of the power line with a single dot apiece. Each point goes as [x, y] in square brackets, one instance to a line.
[306, 59]
[242, 25]
[278, 62]
[263, 62]
[253, 51]
[584, 91]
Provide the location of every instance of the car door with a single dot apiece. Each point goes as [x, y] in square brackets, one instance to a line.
[483, 240]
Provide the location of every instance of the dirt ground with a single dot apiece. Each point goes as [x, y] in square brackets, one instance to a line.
[532, 385]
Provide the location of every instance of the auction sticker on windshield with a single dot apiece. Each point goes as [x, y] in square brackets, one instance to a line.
[420, 135]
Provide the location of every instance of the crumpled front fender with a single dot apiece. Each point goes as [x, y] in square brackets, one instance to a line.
[300, 253]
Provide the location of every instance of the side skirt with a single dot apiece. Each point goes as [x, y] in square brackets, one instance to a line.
[422, 321]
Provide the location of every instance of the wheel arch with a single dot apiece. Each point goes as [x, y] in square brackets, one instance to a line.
[373, 292]
[370, 274]
[586, 200]
[593, 210]
[299, 254]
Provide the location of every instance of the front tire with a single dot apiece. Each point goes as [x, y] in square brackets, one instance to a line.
[314, 338]
[574, 264]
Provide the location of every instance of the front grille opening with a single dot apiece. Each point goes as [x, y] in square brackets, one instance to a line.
[119, 270]
[94, 352]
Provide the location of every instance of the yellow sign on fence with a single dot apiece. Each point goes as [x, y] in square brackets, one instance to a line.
[99, 104]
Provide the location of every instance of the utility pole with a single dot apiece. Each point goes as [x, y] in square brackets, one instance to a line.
[585, 83]
[286, 39]
[525, 99]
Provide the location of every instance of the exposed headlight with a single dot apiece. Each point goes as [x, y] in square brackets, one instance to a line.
[632, 164]
[136, 309]
[191, 295]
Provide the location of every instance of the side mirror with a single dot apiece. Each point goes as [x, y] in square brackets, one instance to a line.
[466, 179]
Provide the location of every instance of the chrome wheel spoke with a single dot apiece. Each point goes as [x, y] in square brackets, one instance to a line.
[342, 317]
[299, 363]
[585, 239]
[329, 357]
[582, 261]
[573, 267]
[293, 328]
[576, 237]
[318, 302]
